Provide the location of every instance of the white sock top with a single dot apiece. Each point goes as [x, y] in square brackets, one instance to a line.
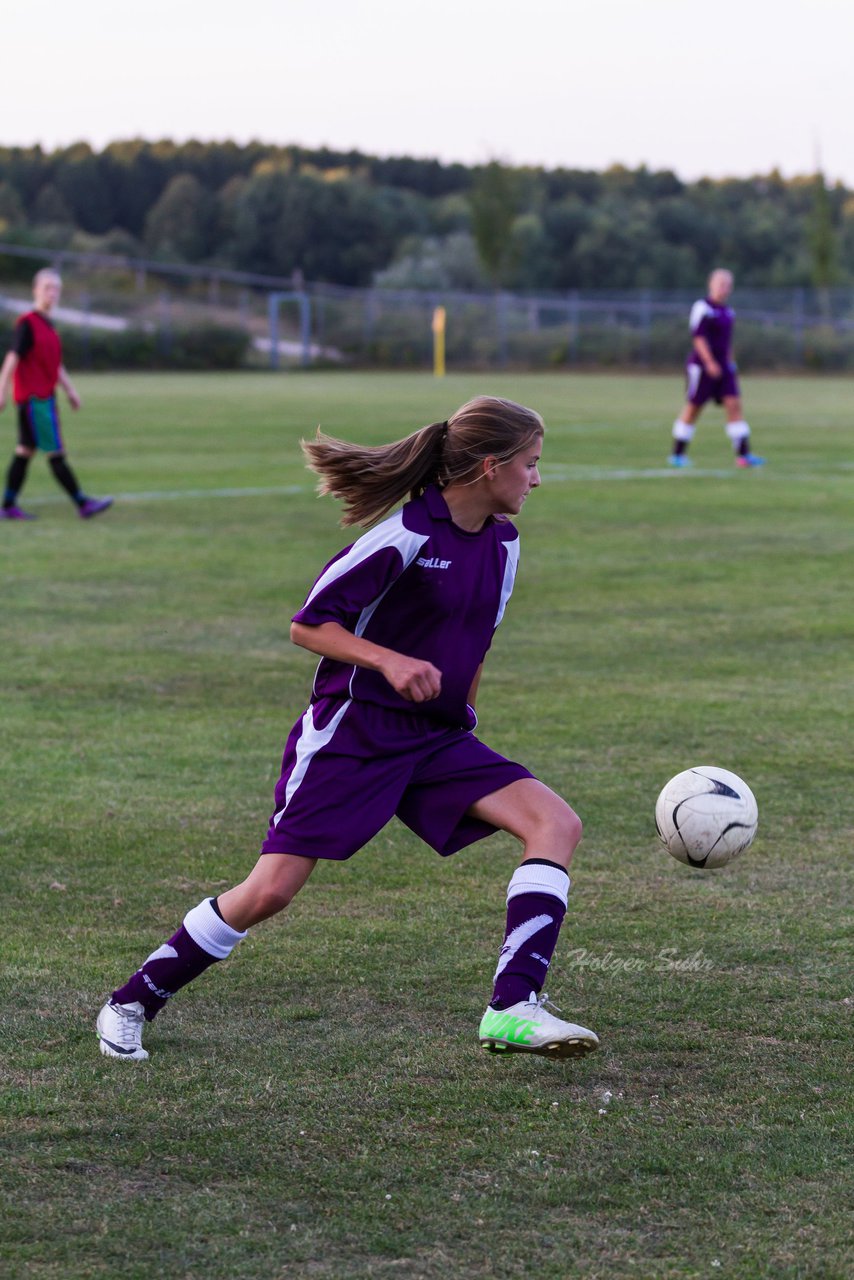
[210, 932]
[537, 877]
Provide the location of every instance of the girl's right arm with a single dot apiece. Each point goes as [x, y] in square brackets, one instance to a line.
[414, 679]
[9, 366]
[704, 351]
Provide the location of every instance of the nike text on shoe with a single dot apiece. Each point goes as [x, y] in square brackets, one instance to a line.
[120, 1031]
[93, 507]
[527, 1027]
[15, 513]
[749, 460]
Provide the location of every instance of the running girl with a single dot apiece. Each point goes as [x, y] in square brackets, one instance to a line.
[402, 621]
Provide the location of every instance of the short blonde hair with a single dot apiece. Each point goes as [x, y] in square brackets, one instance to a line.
[721, 271]
[46, 273]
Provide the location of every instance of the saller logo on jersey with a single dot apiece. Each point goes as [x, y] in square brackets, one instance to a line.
[432, 562]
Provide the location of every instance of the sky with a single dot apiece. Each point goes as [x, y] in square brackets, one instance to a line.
[705, 88]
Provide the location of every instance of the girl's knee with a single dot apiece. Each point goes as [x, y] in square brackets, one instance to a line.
[572, 826]
[559, 824]
[271, 900]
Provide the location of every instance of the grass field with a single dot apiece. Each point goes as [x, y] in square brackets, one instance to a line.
[350, 1126]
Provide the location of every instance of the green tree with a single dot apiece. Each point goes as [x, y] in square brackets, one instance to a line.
[181, 223]
[83, 180]
[11, 207]
[822, 236]
[846, 240]
[341, 231]
[51, 206]
[495, 200]
[529, 259]
[433, 262]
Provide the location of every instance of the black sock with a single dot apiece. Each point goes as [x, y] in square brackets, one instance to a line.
[15, 477]
[679, 447]
[66, 477]
[744, 447]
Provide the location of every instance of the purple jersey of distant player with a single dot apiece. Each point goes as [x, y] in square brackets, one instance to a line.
[420, 585]
[715, 323]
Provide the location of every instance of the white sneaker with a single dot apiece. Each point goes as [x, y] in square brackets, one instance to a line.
[119, 1029]
[527, 1027]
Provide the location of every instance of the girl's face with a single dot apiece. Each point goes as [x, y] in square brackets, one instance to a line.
[47, 292]
[720, 287]
[511, 482]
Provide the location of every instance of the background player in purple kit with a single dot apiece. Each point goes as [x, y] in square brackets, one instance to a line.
[402, 621]
[711, 374]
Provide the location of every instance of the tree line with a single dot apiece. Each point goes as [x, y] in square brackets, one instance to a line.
[348, 218]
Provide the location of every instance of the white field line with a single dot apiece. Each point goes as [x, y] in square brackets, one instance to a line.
[561, 474]
[167, 495]
[551, 475]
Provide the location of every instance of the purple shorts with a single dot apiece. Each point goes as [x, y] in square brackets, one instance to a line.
[350, 766]
[702, 388]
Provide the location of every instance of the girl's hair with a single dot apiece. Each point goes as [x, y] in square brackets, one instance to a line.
[46, 273]
[370, 480]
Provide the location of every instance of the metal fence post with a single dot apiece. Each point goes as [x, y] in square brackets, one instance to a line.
[370, 316]
[273, 327]
[645, 318]
[573, 315]
[164, 330]
[305, 327]
[501, 322]
[798, 324]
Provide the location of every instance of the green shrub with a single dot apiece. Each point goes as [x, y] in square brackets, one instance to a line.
[201, 347]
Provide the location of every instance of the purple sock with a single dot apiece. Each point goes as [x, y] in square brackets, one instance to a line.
[536, 905]
[202, 939]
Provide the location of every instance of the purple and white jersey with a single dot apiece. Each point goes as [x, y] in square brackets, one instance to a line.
[422, 586]
[714, 323]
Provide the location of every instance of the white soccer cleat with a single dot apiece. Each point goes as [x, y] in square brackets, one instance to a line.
[119, 1030]
[527, 1027]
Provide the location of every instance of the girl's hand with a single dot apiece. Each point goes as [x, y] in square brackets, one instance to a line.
[413, 678]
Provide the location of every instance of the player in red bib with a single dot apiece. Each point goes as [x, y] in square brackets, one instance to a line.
[35, 365]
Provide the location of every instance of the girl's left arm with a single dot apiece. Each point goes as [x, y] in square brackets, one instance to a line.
[68, 387]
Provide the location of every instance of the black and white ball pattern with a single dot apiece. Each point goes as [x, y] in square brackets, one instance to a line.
[706, 816]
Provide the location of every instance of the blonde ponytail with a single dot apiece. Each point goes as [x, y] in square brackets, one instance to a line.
[370, 480]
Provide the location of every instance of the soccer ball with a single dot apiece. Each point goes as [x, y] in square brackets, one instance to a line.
[706, 816]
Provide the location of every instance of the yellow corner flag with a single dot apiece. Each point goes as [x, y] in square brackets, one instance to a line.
[439, 342]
